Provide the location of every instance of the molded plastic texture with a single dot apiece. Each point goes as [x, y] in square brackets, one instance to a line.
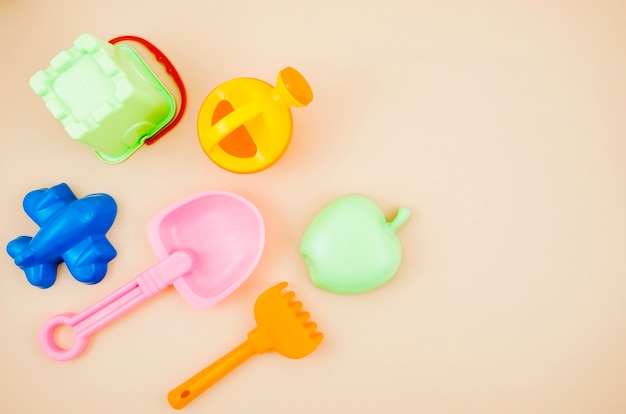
[350, 247]
[105, 96]
[282, 326]
[71, 230]
[245, 125]
[206, 245]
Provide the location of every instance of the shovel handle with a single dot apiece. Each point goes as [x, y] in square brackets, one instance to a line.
[84, 324]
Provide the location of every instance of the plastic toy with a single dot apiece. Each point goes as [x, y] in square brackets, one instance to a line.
[282, 326]
[206, 245]
[107, 97]
[71, 230]
[350, 247]
[245, 124]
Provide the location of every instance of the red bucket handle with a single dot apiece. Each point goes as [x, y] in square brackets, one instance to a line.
[171, 70]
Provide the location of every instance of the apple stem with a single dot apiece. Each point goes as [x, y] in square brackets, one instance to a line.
[402, 215]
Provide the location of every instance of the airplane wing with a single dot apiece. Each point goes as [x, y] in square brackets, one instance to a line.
[41, 204]
[42, 275]
[88, 260]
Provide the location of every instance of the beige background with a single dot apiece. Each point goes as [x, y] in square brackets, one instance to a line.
[501, 125]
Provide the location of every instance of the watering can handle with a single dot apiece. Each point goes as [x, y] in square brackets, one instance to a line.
[229, 123]
[212, 135]
[84, 324]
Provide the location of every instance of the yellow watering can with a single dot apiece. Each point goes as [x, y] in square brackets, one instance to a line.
[245, 125]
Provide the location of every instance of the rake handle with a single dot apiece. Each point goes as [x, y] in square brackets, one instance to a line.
[186, 392]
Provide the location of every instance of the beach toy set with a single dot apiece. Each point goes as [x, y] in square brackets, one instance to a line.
[206, 246]
[108, 97]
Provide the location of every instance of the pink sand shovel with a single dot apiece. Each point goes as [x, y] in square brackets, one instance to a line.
[206, 245]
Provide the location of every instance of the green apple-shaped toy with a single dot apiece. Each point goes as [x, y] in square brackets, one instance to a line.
[350, 247]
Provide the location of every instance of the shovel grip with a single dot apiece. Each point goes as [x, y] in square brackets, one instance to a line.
[87, 322]
[111, 307]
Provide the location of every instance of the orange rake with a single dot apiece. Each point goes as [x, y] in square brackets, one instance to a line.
[282, 326]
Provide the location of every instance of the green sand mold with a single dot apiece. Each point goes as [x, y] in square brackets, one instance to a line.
[350, 247]
[105, 96]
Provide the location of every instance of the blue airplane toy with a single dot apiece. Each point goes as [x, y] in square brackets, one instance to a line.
[71, 230]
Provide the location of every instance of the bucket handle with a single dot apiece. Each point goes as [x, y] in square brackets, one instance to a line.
[171, 70]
